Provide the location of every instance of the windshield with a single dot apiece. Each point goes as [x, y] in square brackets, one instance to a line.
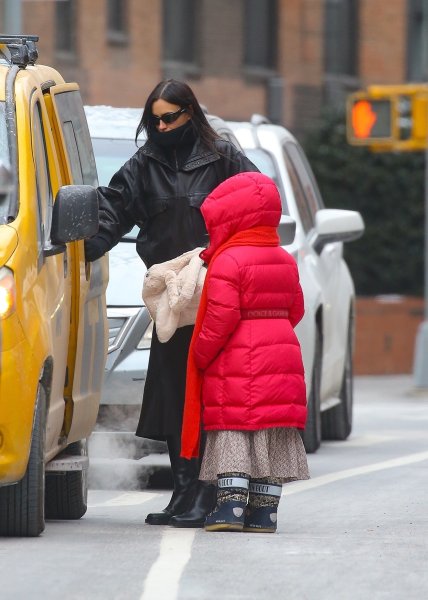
[266, 164]
[110, 155]
[4, 146]
[4, 153]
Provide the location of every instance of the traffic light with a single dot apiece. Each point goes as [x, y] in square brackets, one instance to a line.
[389, 117]
[370, 120]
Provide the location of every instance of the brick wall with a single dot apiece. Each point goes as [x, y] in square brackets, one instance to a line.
[123, 75]
[382, 41]
[107, 72]
[386, 328]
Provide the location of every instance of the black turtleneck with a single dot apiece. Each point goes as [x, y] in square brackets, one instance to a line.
[176, 144]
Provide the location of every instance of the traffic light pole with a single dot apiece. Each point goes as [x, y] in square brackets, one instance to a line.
[373, 120]
[420, 368]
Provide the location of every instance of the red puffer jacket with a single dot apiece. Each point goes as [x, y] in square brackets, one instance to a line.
[247, 347]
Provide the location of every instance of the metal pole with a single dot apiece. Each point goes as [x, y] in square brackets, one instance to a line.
[420, 370]
[12, 17]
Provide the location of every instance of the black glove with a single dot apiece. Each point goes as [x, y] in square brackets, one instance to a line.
[95, 248]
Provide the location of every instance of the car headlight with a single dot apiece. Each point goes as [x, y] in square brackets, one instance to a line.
[7, 293]
[146, 341]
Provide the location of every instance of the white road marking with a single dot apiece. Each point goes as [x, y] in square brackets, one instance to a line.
[164, 576]
[163, 579]
[364, 441]
[309, 484]
[126, 499]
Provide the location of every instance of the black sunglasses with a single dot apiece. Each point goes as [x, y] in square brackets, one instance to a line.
[169, 117]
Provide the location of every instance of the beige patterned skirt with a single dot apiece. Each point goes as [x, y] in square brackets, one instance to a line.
[275, 453]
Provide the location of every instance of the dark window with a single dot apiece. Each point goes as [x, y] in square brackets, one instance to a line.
[308, 197]
[117, 20]
[260, 34]
[299, 196]
[417, 41]
[265, 162]
[179, 31]
[77, 138]
[65, 26]
[341, 35]
[44, 191]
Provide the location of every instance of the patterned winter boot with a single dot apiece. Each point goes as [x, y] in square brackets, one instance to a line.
[232, 495]
[261, 513]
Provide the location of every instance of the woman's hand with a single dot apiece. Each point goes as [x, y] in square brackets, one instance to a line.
[95, 247]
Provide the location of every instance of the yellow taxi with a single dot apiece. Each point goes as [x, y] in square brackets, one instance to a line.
[53, 326]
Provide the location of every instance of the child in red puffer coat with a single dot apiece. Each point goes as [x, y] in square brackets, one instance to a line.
[245, 366]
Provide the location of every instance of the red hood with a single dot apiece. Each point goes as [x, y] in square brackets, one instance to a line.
[241, 202]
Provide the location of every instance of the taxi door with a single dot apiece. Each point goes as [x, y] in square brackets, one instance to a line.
[89, 330]
[52, 286]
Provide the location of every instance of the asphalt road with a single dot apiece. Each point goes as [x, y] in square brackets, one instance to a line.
[357, 530]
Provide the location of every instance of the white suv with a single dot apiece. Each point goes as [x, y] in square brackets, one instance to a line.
[327, 330]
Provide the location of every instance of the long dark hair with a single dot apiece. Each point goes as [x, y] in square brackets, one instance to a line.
[178, 92]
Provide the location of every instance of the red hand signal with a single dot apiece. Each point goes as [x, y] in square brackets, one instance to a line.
[363, 119]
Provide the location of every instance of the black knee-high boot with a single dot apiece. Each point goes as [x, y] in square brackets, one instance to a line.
[185, 476]
[202, 504]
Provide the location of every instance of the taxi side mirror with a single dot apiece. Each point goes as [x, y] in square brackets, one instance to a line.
[74, 216]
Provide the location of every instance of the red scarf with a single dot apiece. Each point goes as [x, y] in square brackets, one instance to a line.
[190, 436]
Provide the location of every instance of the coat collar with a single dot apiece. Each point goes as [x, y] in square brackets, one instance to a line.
[199, 156]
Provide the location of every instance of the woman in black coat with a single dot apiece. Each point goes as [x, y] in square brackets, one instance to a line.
[161, 189]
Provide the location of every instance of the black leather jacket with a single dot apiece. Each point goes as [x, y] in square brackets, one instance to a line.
[163, 199]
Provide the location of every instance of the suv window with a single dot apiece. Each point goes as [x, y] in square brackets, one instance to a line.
[77, 138]
[306, 176]
[266, 165]
[308, 198]
[299, 195]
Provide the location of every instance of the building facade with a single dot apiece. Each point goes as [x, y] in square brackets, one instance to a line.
[286, 59]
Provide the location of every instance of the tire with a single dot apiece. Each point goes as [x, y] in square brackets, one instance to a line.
[337, 421]
[312, 433]
[66, 494]
[22, 504]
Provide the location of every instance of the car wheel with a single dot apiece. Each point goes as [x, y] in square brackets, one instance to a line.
[312, 433]
[337, 421]
[22, 504]
[67, 492]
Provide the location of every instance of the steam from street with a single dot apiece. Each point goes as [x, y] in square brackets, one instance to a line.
[121, 460]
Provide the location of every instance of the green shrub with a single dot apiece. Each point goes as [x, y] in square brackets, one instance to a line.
[388, 190]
